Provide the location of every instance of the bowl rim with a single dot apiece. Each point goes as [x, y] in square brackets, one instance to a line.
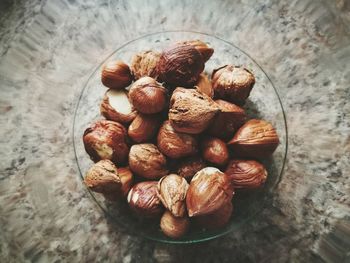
[224, 232]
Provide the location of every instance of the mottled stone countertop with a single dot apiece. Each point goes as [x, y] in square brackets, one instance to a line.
[49, 48]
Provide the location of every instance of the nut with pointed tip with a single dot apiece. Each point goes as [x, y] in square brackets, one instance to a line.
[232, 83]
[191, 111]
[103, 177]
[172, 191]
[147, 161]
[218, 219]
[214, 151]
[180, 65]
[246, 174]
[148, 96]
[227, 121]
[188, 167]
[209, 189]
[203, 85]
[145, 64]
[116, 106]
[255, 139]
[106, 140]
[116, 75]
[201, 47]
[174, 144]
[143, 200]
[174, 227]
[144, 127]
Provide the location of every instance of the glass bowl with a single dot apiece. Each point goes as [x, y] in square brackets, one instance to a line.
[263, 103]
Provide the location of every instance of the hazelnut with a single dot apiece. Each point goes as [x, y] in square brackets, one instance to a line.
[191, 111]
[232, 83]
[218, 219]
[106, 140]
[246, 174]
[201, 47]
[214, 151]
[174, 227]
[209, 189]
[172, 191]
[116, 75]
[126, 178]
[255, 139]
[227, 121]
[143, 199]
[203, 85]
[103, 177]
[174, 144]
[188, 167]
[148, 96]
[145, 64]
[143, 127]
[116, 106]
[147, 161]
[180, 65]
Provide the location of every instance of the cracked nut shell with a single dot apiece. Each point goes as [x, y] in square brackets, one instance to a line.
[145, 64]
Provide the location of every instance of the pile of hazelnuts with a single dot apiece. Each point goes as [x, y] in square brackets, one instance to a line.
[175, 144]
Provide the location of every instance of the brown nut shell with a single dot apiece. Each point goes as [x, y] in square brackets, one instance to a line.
[232, 83]
[172, 191]
[144, 127]
[116, 106]
[148, 96]
[174, 227]
[203, 85]
[106, 140]
[126, 178]
[145, 64]
[143, 200]
[246, 174]
[147, 161]
[188, 167]
[116, 75]
[209, 189]
[191, 111]
[103, 177]
[227, 121]
[201, 47]
[218, 219]
[214, 151]
[255, 139]
[174, 144]
[180, 65]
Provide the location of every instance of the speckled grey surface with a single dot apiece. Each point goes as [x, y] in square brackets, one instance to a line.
[49, 48]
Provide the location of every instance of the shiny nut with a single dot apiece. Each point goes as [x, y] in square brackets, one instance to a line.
[143, 199]
[103, 177]
[180, 65]
[214, 151]
[255, 139]
[218, 219]
[116, 75]
[148, 96]
[174, 144]
[209, 189]
[144, 127]
[145, 64]
[172, 191]
[246, 174]
[106, 140]
[232, 83]
[188, 167]
[201, 47]
[174, 227]
[227, 121]
[191, 111]
[203, 85]
[116, 106]
[147, 161]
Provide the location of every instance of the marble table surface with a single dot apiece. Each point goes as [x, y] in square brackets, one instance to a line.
[49, 48]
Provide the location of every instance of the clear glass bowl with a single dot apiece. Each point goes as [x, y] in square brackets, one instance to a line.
[263, 103]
